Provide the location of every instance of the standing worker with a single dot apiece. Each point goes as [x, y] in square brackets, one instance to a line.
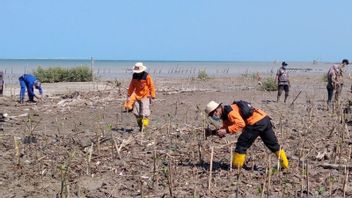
[142, 90]
[253, 122]
[335, 81]
[283, 81]
[29, 82]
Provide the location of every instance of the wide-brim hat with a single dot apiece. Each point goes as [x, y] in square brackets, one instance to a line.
[211, 106]
[139, 68]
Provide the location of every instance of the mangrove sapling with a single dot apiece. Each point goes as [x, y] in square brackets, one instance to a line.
[168, 175]
[31, 126]
[64, 172]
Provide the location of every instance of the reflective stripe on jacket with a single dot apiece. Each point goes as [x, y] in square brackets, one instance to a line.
[142, 85]
[235, 123]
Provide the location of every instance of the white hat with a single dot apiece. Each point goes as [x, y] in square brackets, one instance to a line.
[211, 106]
[139, 68]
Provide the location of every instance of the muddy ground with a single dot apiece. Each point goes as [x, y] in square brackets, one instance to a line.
[81, 144]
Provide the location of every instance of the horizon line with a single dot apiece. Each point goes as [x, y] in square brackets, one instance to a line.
[158, 60]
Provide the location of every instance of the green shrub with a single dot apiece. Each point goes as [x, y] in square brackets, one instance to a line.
[324, 78]
[58, 74]
[202, 74]
[269, 84]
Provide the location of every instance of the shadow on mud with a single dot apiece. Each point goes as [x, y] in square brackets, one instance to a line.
[123, 130]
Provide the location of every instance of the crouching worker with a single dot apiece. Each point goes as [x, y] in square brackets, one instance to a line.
[29, 82]
[253, 123]
[141, 90]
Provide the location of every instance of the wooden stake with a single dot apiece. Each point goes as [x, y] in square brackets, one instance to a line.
[17, 149]
[307, 178]
[265, 177]
[170, 178]
[210, 169]
[269, 176]
[330, 185]
[231, 157]
[238, 182]
[345, 181]
[302, 178]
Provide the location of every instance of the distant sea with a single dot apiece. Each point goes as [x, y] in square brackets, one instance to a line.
[116, 69]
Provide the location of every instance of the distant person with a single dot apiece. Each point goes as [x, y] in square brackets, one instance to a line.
[283, 81]
[29, 82]
[142, 91]
[1, 83]
[253, 122]
[335, 81]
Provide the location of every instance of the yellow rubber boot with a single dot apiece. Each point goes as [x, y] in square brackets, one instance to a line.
[283, 159]
[139, 122]
[238, 160]
[145, 122]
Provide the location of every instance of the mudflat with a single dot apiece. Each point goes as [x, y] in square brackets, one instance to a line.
[78, 141]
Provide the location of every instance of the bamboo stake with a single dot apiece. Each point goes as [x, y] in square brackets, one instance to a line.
[231, 157]
[210, 169]
[154, 165]
[302, 178]
[170, 178]
[89, 158]
[307, 178]
[345, 181]
[238, 181]
[265, 177]
[17, 149]
[330, 185]
[269, 176]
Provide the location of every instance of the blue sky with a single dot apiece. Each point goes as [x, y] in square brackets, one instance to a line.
[247, 30]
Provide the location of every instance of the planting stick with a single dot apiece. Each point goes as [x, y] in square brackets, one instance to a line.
[210, 168]
[89, 158]
[330, 185]
[278, 160]
[17, 149]
[302, 179]
[170, 178]
[231, 157]
[265, 178]
[345, 181]
[307, 178]
[238, 181]
[292, 103]
[269, 175]
[200, 159]
[154, 165]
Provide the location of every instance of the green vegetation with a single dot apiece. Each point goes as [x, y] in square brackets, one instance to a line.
[202, 74]
[58, 74]
[269, 84]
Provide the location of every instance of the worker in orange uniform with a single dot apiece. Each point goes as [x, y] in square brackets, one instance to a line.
[252, 121]
[141, 90]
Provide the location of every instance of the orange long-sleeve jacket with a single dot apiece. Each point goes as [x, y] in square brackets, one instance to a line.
[142, 85]
[235, 123]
